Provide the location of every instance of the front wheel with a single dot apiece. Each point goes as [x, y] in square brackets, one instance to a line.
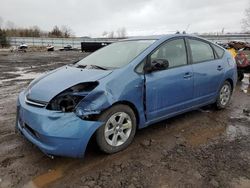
[224, 96]
[118, 130]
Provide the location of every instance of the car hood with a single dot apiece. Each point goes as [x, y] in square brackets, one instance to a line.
[49, 85]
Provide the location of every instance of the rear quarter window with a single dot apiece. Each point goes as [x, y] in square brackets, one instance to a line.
[219, 51]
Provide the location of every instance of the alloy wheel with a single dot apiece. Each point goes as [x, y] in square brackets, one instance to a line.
[225, 94]
[118, 129]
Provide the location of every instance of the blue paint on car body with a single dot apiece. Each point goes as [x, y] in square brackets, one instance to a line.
[153, 97]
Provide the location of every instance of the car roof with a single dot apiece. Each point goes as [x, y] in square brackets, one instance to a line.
[158, 37]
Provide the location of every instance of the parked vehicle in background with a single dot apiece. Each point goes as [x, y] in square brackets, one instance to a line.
[123, 87]
[93, 46]
[243, 62]
[23, 47]
[50, 48]
[241, 52]
[68, 48]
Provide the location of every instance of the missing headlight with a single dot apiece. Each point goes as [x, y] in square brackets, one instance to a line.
[67, 100]
[64, 103]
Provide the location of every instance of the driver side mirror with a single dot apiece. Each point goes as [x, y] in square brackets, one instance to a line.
[157, 65]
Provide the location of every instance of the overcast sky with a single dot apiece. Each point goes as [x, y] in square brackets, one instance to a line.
[139, 17]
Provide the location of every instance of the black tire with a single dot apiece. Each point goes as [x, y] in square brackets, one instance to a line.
[240, 75]
[102, 141]
[220, 104]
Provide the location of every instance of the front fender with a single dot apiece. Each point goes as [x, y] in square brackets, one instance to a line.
[95, 103]
[120, 89]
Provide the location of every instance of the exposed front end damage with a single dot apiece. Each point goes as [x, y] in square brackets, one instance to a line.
[67, 100]
[94, 104]
[55, 126]
[64, 125]
[54, 132]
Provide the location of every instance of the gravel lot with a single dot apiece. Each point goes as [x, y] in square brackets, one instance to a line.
[202, 148]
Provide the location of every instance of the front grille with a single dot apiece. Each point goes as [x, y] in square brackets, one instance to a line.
[30, 129]
[36, 103]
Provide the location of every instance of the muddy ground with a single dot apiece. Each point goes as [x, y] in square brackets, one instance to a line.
[202, 148]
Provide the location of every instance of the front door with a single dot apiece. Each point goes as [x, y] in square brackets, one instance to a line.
[171, 90]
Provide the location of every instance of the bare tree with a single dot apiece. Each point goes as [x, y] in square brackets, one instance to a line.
[111, 34]
[121, 32]
[246, 21]
[36, 31]
[10, 25]
[66, 31]
[56, 32]
[105, 34]
[3, 39]
[1, 22]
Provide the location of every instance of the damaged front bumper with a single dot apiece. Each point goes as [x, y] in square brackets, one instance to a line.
[55, 133]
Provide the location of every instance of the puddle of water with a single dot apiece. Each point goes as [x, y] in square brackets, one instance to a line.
[22, 76]
[234, 131]
[202, 136]
[45, 179]
[65, 166]
[242, 182]
[245, 83]
[48, 177]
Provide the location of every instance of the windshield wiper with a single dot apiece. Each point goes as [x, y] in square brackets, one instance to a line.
[91, 66]
[97, 67]
[81, 66]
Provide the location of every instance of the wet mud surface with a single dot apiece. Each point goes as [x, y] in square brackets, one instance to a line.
[202, 148]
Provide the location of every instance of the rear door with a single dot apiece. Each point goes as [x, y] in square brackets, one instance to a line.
[208, 70]
[171, 90]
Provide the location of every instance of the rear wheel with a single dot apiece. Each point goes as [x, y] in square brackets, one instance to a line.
[118, 130]
[224, 96]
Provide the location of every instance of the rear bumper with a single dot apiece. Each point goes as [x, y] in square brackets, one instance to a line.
[55, 133]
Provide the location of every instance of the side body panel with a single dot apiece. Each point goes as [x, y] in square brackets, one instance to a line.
[168, 91]
[208, 77]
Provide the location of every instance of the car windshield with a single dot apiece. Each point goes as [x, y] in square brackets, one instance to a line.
[115, 55]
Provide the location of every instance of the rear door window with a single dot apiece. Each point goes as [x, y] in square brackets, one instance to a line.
[201, 51]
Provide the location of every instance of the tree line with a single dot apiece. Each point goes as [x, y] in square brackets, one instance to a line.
[35, 31]
[9, 29]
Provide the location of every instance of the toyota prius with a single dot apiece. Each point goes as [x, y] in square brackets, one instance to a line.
[123, 87]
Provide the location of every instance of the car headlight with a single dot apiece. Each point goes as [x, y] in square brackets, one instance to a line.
[67, 100]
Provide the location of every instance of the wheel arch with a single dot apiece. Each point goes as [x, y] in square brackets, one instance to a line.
[127, 103]
[231, 83]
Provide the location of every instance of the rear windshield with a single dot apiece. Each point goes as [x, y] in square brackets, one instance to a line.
[116, 55]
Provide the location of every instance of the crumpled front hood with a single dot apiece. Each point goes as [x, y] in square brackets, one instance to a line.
[48, 86]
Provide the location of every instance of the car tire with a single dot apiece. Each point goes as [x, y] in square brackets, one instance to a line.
[118, 129]
[224, 96]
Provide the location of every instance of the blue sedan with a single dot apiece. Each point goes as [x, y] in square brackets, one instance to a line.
[123, 87]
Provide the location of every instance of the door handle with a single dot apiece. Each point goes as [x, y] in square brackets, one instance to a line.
[187, 75]
[219, 68]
